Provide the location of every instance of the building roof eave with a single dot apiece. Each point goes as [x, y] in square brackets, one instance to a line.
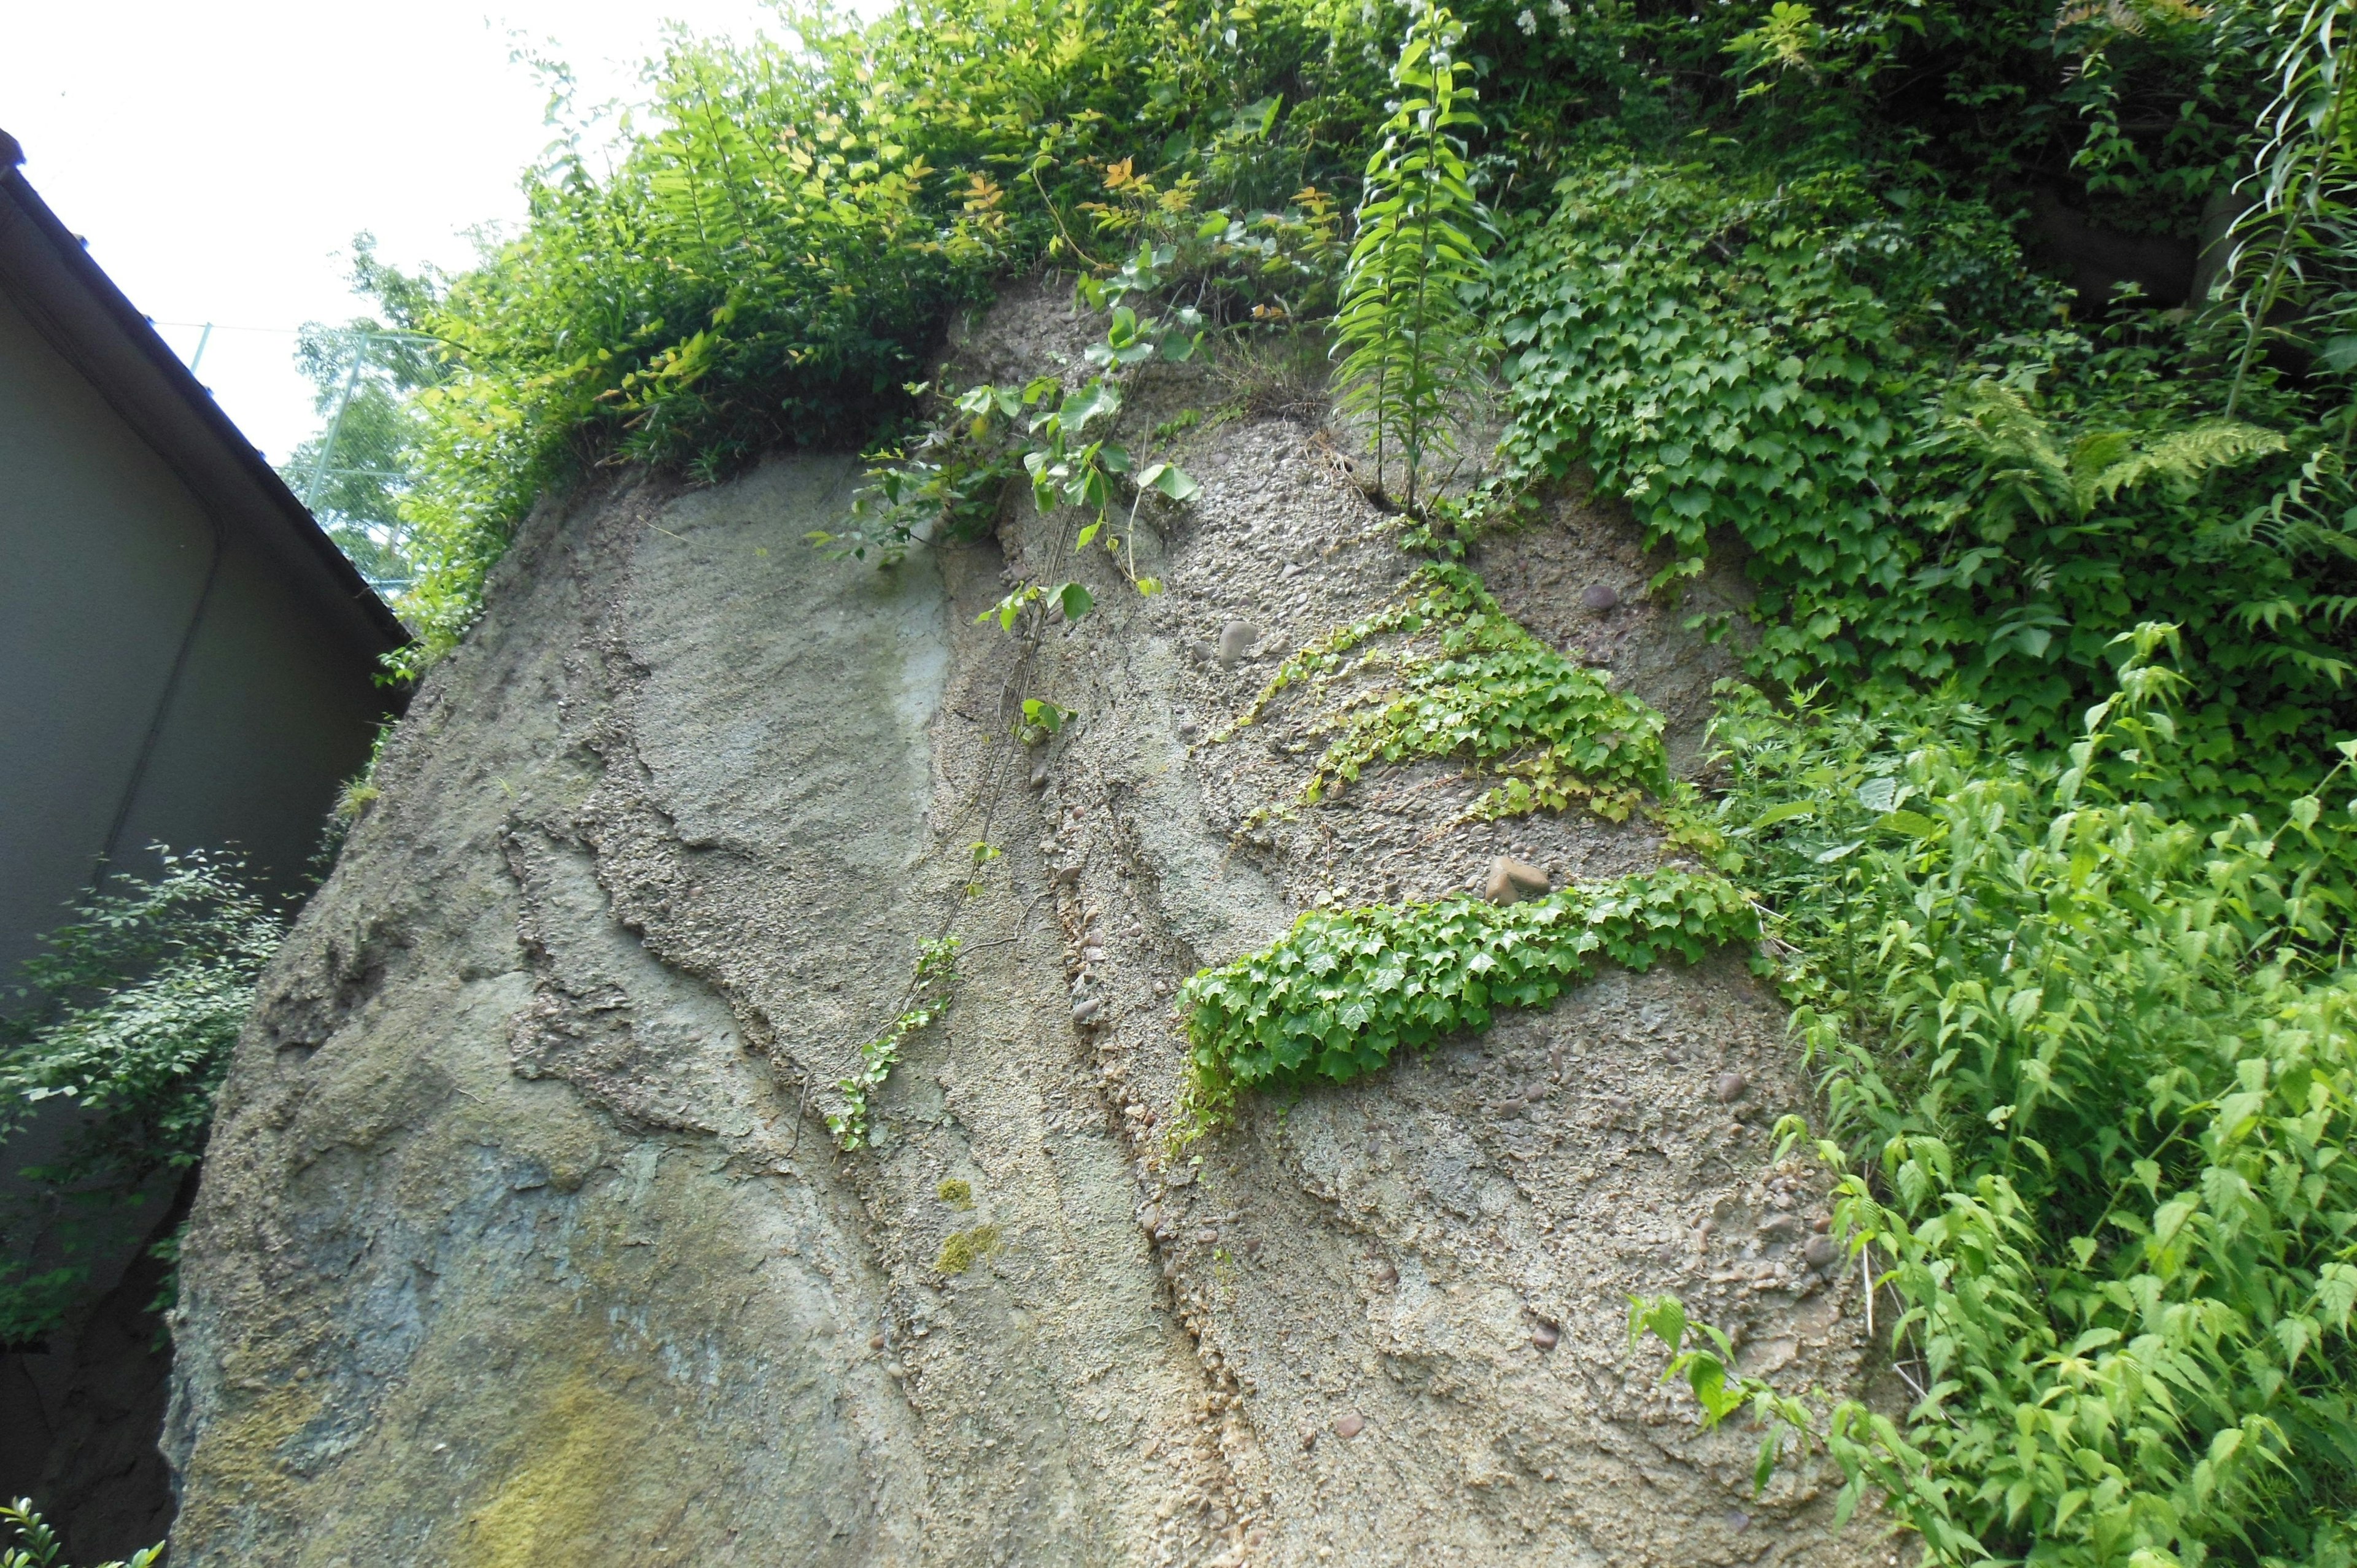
[46, 270]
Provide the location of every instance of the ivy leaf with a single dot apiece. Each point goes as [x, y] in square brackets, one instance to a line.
[1076, 601]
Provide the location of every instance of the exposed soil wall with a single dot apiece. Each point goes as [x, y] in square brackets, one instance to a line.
[522, 1241]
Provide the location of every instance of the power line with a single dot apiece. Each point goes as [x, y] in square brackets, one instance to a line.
[297, 331]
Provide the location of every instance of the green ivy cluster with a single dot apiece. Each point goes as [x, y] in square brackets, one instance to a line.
[929, 998]
[1345, 989]
[1936, 480]
[1716, 349]
[1486, 693]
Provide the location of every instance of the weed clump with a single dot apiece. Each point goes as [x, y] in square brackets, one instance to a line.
[1466, 681]
[961, 1250]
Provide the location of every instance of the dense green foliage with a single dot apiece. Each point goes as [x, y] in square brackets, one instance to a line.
[129, 1015]
[1345, 989]
[2091, 1072]
[1787, 277]
[1816, 370]
[772, 258]
[1466, 681]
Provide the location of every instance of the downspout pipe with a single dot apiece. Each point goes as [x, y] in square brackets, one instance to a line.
[164, 700]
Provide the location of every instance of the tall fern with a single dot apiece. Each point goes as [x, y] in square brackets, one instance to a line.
[1408, 334]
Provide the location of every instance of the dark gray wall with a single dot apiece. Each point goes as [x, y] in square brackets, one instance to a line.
[248, 706]
[164, 677]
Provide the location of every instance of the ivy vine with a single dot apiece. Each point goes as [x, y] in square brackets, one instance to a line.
[1482, 688]
[1345, 989]
[929, 998]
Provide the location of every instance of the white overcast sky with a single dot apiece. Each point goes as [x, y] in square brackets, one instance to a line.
[219, 157]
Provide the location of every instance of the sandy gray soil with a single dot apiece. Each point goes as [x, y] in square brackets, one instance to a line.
[522, 1241]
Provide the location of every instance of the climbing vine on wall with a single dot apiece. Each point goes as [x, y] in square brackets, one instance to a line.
[1344, 989]
[929, 998]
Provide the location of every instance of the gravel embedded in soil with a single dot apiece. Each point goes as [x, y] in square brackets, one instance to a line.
[522, 1232]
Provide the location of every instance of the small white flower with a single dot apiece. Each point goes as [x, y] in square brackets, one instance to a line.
[1528, 22]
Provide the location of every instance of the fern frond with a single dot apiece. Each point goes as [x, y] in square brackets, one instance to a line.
[2022, 467]
[2181, 456]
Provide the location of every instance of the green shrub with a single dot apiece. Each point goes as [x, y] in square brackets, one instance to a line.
[779, 246]
[129, 1016]
[2092, 1071]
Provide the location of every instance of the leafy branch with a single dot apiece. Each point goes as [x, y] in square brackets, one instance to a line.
[2300, 214]
[37, 1545]
[128, 1015]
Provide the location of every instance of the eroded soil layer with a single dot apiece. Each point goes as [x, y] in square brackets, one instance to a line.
[521, 1238]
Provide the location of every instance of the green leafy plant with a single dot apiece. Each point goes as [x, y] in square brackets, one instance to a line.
[945, 484]
[1703, 347]
[772, 253]
[2292, 258]
[929, 997]
[2090, 1070]
[1042, 721]
[129, 1015]
[1407, 333]
[1344, 989]
[37, 1545]
[1803, 366]
[2024, 478]
[1470, 683]
[1786, 40]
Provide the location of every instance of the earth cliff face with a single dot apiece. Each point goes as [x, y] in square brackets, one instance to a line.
[521, 1238]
